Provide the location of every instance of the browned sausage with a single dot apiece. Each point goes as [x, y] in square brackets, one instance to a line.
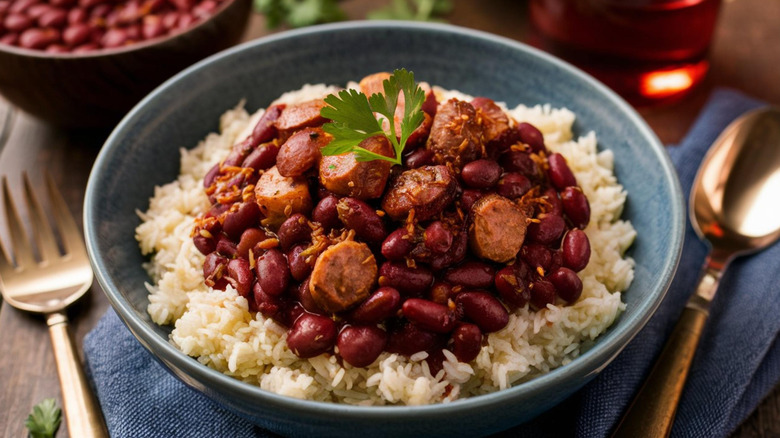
[343, 276]
[456, 134]
[301, 151]
[428, 190]
[498, 134]
[498, 228]
[344, 175]
[279, 197]
[302, 115]
[372, 84]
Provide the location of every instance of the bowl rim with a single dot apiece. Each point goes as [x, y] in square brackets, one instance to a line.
[98, 53]
[586, 366]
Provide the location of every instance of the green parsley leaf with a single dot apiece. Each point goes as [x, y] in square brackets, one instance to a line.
[416, 10]
[44, 420]
[353, 120]
[299, 13]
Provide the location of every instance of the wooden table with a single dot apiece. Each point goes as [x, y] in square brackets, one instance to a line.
[744, 56]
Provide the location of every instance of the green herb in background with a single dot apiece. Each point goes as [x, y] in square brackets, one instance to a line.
[353, 120]
[44, 420]
[414, 10]
[299, 13]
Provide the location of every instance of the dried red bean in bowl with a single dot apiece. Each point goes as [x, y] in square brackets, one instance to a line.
[311, 335]
[484, 309]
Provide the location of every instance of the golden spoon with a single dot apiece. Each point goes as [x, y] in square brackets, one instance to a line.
[733, 206]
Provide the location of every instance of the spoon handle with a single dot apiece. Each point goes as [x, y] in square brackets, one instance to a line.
[651, 414]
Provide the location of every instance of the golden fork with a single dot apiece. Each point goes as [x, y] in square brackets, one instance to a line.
[48, 285]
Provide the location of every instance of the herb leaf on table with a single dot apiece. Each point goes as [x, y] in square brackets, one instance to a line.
[44, 420]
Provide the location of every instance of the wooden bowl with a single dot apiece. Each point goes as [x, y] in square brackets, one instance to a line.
[97, 89]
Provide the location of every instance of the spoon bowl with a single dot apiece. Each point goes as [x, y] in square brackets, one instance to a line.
[733, 206]
[733, 202]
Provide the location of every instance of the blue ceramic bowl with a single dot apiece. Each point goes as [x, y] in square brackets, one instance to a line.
[143, 152]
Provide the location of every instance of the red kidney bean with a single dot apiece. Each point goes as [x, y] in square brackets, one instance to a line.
[520, 162]
[205, 8]
[547, 230]
[240, 276]
[567, 283]
[512, 287]
[20, 6]
[441, 292]
[272, 272]
[553, 202]
[114, 37]
[483, 309]
[4, 5]
[397, 245]
[326, 213]
[226, 247]
[54, 17]
[239, 219]
[360, 217]
[472, 275]
[85, 48]
[542, 293]
[575, 250]
[457, 252]
[359, 346]
[103, 11]
[299, 269]
[10, 38]
[382, 304]
[38, 38]
[262, 158]
[90, 3]
[311, 335]
[513, 185]
[418, 158]
[249, 238]
[576, 206]
[170, 19]
[536, 255]
[294, 230]
[217, 210]
[532, 136]
[265, 128]
[129, 13]
[206, 241]
[214, 268]
[559, 172]
[211, 175]
[269, 305]
[133, 33]
[76, 34]
[408, 339]
[556, 260]
[303, 295]
[62, 3]
[58, 48]
[17, 22]
[481, 174]
[469, 197]
[185, 21]
[431, 316]
[466, 342]
[437, 238]
[184, 5]
[35, 11]
[409, 281]
[77, 15]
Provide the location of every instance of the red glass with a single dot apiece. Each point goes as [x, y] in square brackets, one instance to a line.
[648, 51]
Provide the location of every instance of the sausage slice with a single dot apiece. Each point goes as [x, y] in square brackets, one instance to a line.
[498, 133]
[344, 175]
[343, 276]
[279, 197]
[302, 115]
[301, 151]
[456, 134]
[498, 228]
[428, 190]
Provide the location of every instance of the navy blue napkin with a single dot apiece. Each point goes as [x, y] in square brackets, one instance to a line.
[736, 365]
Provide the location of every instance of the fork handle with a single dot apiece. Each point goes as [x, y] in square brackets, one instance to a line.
[82, 412]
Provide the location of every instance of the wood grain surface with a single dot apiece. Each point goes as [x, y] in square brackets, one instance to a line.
[745, 52]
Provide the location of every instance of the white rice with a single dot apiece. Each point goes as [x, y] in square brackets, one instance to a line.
[217, 328]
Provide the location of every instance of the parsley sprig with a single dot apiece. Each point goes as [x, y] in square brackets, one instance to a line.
[44, 420]
[353, 120]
